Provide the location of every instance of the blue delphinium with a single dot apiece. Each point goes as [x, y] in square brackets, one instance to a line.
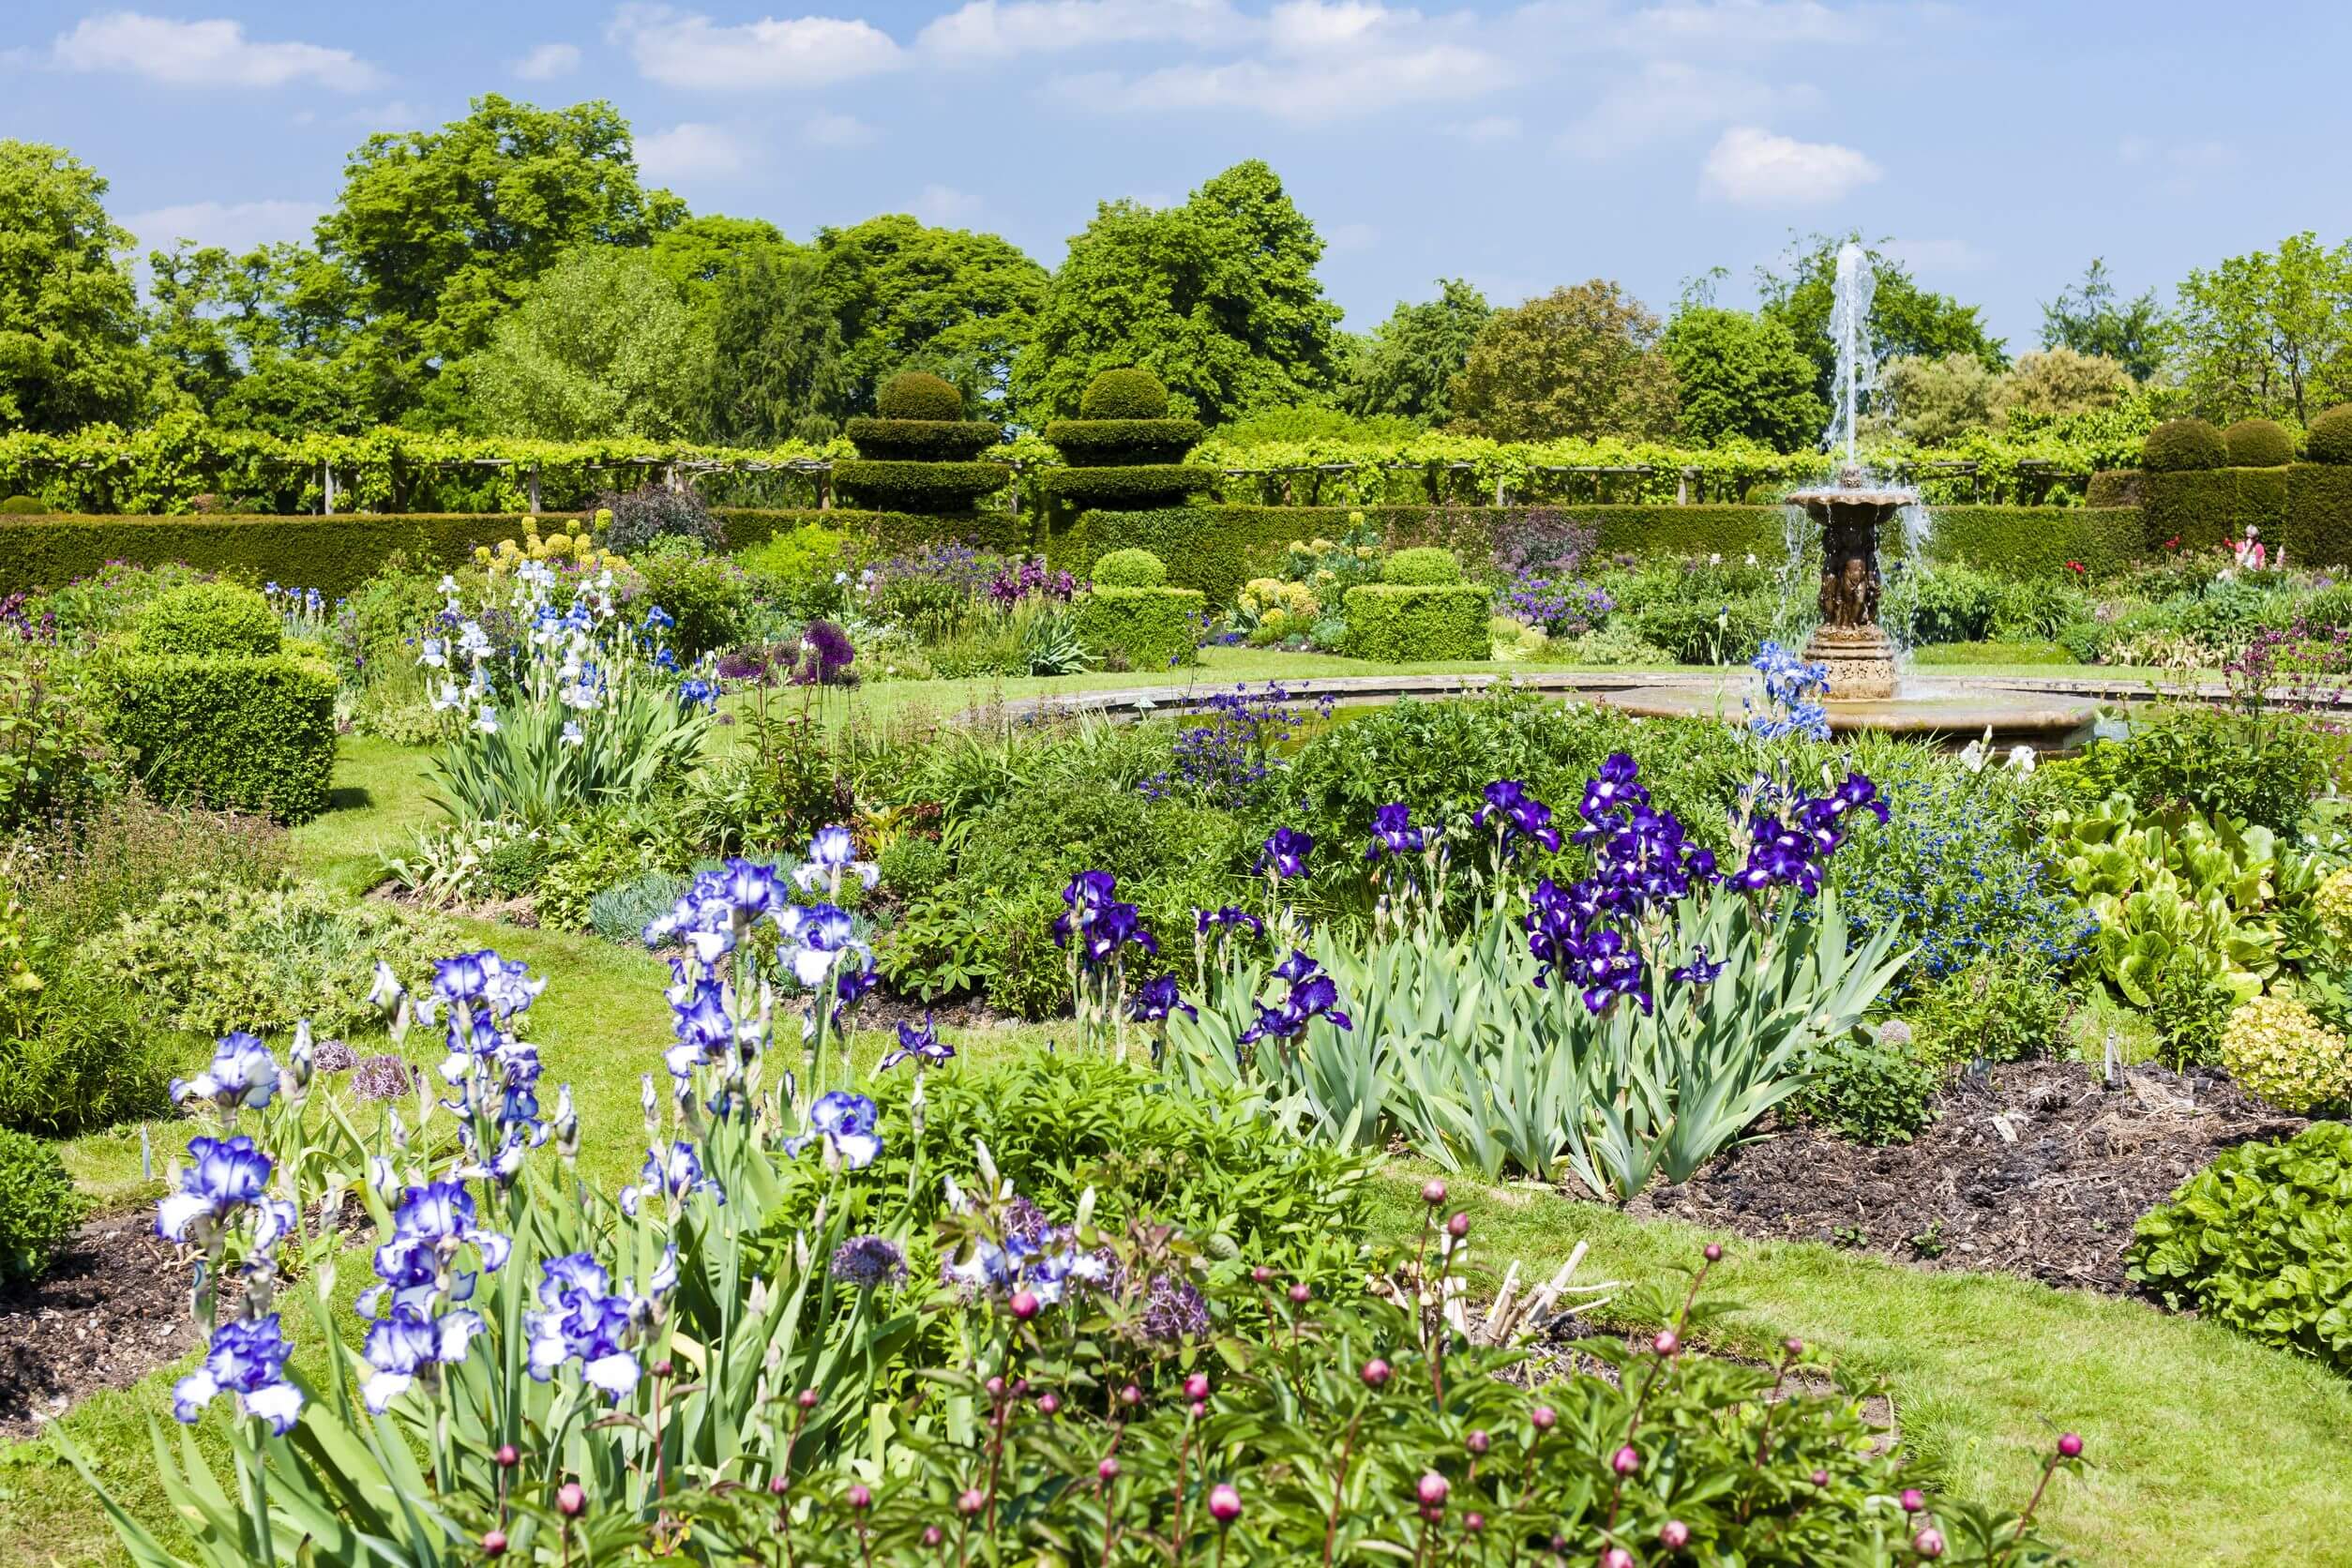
[246, 1359]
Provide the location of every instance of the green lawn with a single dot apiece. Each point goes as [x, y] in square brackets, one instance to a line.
[2205, 1447]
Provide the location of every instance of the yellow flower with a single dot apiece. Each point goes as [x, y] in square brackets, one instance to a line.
[2332, 903]
[2277, 1048]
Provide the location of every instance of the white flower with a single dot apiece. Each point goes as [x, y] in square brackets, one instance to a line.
[1717, 560]
[433, 653]
[486, 720]
[451, 695]
[2021, 758]
[571, 733]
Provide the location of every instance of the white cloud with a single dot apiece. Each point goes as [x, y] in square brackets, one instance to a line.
[398, 114]
[945, 208]
[1751, 167]
[214, 53]
[692, 150]
[1668, 98]
[1486, 130]
[827, 129]
[679, 49]
[235, 225]
[548, 61]
[994, 29]
[1746, 25]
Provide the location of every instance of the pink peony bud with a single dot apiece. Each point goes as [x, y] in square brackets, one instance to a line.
[1625, 1460]
[662, 1367]
[1820, 1478]
[1793, 1345]
[1375, 1373]
[506, 1456]
[1108, 1470]
[1301, 1294]
[2070, 1446]
[1433, 1192]
[1025, 1304]
[1473, 1522]
[1712, 1252]
[1913, 1500]
[932, 1535]
[1666, 1342]
[1458, 1227]
[1674, 1535]
[1543, 1416]
[1617, 1557]
[1049, 1403]
[1131, 1396]
[1197, 1386]
[1479, 1440]
[1431, 1489]
[571, 1499]
[778, 1485]
[1928, 1542]
[1224, 1503]
[1261, 1274]
[995, 1387]
[859, 1498]
[809, 1398]
[972, 1502]
[1199, 1408]
[494, 1543]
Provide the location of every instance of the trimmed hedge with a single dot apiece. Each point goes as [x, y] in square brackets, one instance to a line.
[2182, 446]
[1130, 568]
[923, 440]
[1005, 533]
[1098, 443]
[2318, 528]
[210, 618]
[919, 395]
[2328, 437]
[1140, 487]
[228, 731]
[332, 554]
[2306, 507]
[919, 486]
[2259, 444]
[2035, 541]
[1421, 567]
[2113, 487]
[1397, 624]
[1152, 629]
[1125, 395]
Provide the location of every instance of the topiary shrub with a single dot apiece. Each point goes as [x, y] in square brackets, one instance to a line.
[919, 395]
[1397, 624]
[26, 506]
[1142, 487]
[256, 734]
[1421, 567]
[1150, 627]
[923, 440]
[2179, 445]
[210, 618]
[2258, 443]
[2261, 1240]
[1125, 395]
[1130, 568]
[1093, 442]
[2328, 437]
[918, 487]
[2277, 1048]
[39, 1207]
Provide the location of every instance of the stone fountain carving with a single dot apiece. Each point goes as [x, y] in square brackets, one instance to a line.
[1849, 642]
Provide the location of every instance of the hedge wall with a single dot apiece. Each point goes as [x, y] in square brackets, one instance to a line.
[331, 554]
[227, 730]
[1007, 532]
[2319, 513]
[1142, 485]
[1152, 628]
[2035, 541]
[923, 440]
[1394, 623]
[2305, 507]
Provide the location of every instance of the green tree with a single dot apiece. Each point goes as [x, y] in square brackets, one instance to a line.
[254, 339]
[1741, 377]
[777, 362]
[1935, 402]
[1218, 297]
[1581, 361]
[1406, 365]
[444, 230]
[70, 320]
[908, 296]
[1905, 319]
[2091, 318]
[602, 346]
[695, 253]
[2059, 382]
[2267, 336]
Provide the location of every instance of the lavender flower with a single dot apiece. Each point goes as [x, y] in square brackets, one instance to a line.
[246, 1359]
[868, 1263]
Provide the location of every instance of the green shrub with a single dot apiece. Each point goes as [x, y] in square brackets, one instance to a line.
[913, 866]
[1123, 395]
[1041, 837]
[2261, 1240]
[2188, 1013]
[77, 1055]
[1729, 630]
[256, 735]
[22, 505]
[1988, 1012]
[1867, 1090]
[2328, 439]
[628, 521]
[2179, 446]
[332, 554]
[1391, 623]
[2262, 768]
[1421, 567]
[1091, 443]
[1152, 628]
[212, 958]
[1143, 486]
[2259, 444]
[709, 595]
[923, 440]
[1130, 568]
[622, 913]
[53, 756]
[919, 486]
[39, 1207]
[210, 618]
[918, 395]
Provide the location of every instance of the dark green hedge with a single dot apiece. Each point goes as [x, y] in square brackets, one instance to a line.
[923, 440]
[1004, 532]
[918, 487]
[2035, 541]
[1397, 625]
[1094, 443]
[2114, 487]
[1140, 487]
[331, 554]
[2319, 513]
[255, 734]
[2305, 507]
[2196, 506]
[1152, 628]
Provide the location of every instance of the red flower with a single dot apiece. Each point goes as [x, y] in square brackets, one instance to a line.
[2173, 543]
[2075, 566]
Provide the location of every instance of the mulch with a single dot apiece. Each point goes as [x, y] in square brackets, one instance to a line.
[2036, 1168]
[111, 1310]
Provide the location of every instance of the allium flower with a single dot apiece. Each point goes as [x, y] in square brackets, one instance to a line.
[409, 1345]
[677, 1173]
[1517, 817]
[381, 1077]
[922, 1046]
[868, 1262]
[241, 1072]
[1393, 832]
[844, 1123]
[831, 855]
[335, 1056]
[229, 1174]
[1156, 999]
[828, 655]
[246, 1359]
[1173, 1309]
[1285, 852]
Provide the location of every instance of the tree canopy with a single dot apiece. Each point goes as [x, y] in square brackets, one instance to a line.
[2091, 318]
[1218, 297]
[1906, 320]
[908, 296]
[69, 319]
[2267, 336]
[1578, 361]
[602, 345]
[1406, 365]
[1741, 377]
[777, 361]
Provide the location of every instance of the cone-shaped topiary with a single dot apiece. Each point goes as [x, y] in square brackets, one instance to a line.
[2258, 443]
[919, 395]
[2328, 437]
[2180, 444]
[1125, 395]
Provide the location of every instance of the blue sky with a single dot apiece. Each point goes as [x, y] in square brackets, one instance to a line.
[1520, 146]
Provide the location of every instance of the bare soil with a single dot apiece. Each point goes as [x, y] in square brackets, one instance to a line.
[2034, 1167]
[111, 1310]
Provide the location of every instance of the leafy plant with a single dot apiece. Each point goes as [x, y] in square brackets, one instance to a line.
[2277, 1048]
[39, 1207]
[628, 521]
[2261, 1240]
[2260, 768]
[1869, 1090]
[1988, 1012]
[2173, 892]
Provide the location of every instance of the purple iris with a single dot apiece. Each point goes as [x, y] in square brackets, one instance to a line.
[246, 1359]
[1087, 895]
[1226, 918]
[1699, 972]
[504, 983]
[658, 620]
[1517, 817]
[1099, 922]
[228, 1174]
[1156, 999]
[586, 1321]
[409, 1345]
[677, 1172]
[1312, 996]
[1393, 832]
[846, 1122]
[1285, 852]
[428, 1225]
[922, 1046]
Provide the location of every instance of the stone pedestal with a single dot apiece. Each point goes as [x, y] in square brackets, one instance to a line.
[1860, 659]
